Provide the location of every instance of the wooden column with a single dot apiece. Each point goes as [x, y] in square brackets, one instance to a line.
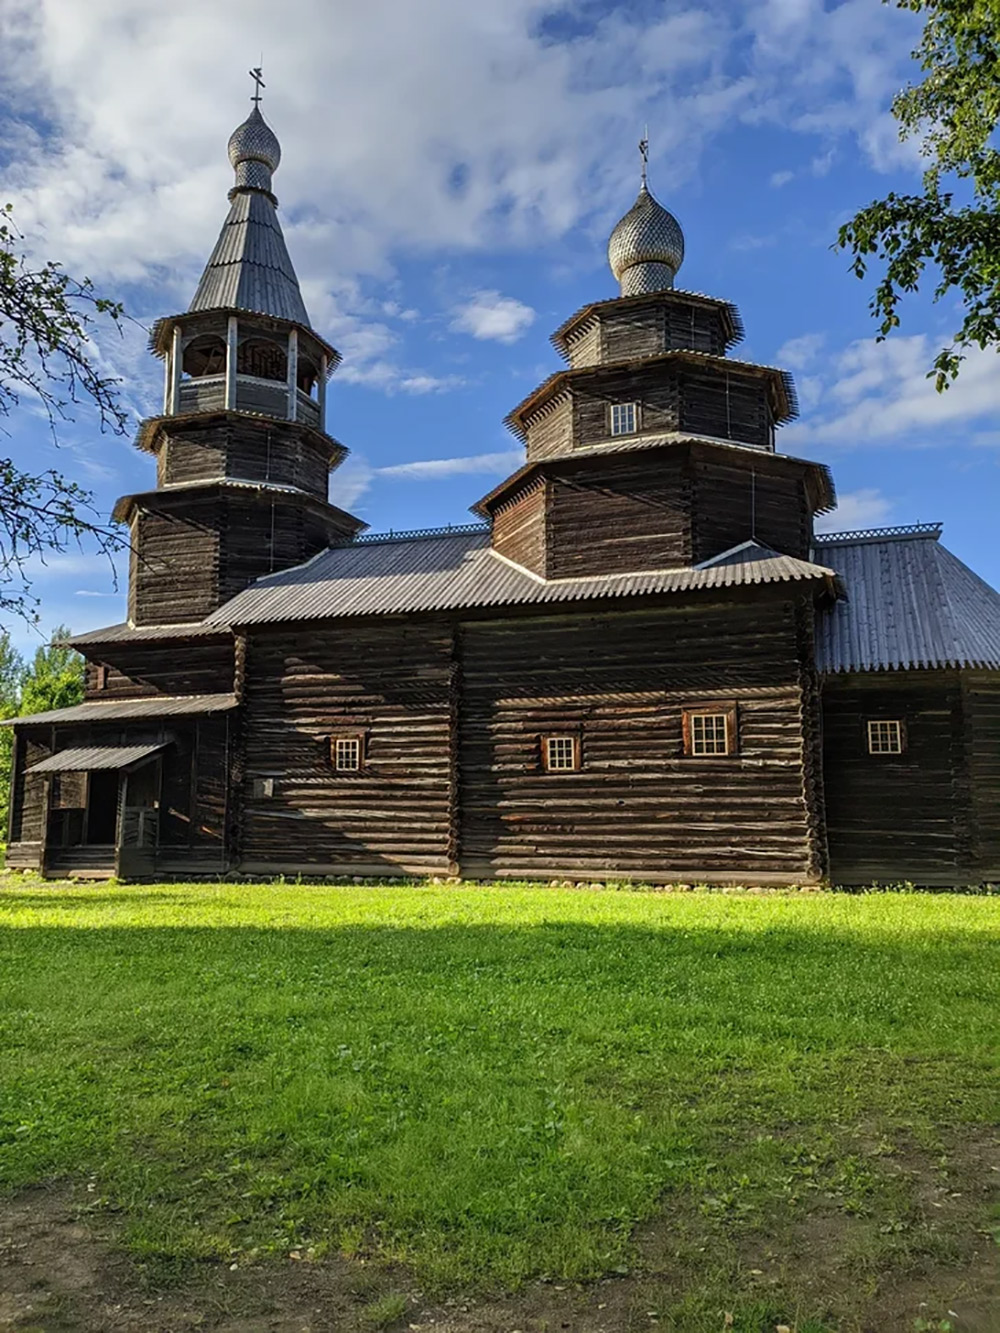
[231, 348]
[293, 374]
[174, 402]
[321, 391]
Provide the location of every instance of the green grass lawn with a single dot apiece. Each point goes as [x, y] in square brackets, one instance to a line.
[486, 1083]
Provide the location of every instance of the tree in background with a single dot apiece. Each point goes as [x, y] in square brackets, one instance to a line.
[54, 679]
[46, 357]
[954, 112]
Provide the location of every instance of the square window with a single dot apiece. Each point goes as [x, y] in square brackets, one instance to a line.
[885, 736]
[561, 754]
[623, 418]
[262, 788]
[347, 754]
[710, 731]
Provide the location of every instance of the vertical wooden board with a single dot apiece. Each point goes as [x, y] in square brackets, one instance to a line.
[982, 703]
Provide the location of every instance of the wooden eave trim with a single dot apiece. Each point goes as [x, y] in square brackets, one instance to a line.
[149, 435]
[560, 338]
[160, 334]
[127, 505]
[782, 388]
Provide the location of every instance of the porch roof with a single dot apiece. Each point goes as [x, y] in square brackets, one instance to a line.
[127, 710]
[89, 757]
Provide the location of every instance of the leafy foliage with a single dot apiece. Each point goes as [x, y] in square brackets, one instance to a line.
[47, 359]
[954, 112]
[54, 679]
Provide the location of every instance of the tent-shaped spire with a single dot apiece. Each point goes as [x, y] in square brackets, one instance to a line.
[249, 269]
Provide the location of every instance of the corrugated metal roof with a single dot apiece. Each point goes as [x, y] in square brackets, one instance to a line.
[250, 269]
[87, 758]
[126, 633]
[910, 603]
[128, 710]
[463, 572]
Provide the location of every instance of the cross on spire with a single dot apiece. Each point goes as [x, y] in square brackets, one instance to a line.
[258, 81]
[644, 153]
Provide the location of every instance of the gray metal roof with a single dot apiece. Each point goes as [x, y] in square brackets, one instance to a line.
[128, 710]
[462, 571]
[250, 269]
[87, 758]
[910, 603]
[126, 633]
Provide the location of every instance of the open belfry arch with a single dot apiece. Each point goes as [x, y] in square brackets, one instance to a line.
[641, 662]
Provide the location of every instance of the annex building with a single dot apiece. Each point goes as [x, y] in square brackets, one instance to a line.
[641, 661]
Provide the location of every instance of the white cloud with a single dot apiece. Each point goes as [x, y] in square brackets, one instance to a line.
[490, 316]
[879, 393]
[780, 178]
[429, 469]
[798, 353]
[867, 508]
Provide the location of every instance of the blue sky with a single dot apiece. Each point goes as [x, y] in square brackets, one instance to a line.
[451, 172]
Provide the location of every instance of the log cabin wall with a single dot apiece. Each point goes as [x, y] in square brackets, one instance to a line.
[638, 807]
[584, 347]
[897, 817]
[629, 512]
[631, 329]
[981, 699]
[733, 500]
[137, 670]
[243, 448]
[654, 388]
[175, 562]
[550, 433]
[726, 404]
[389, 682]
[519, 530]
[27, 801]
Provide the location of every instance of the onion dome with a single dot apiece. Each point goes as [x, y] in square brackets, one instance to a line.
[646, 248]
[254, 152]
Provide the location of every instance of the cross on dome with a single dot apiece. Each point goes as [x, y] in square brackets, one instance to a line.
[646, 248]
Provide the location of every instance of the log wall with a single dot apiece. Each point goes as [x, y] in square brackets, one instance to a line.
[551, 432]
[734, 500]
[142, 669]
[244, 449]
[897, 817]
[391, 682]
[981, 697]
[639, 807]
[519, 528]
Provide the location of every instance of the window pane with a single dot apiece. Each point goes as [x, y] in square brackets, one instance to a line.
[623, 417]
[885, 737]
[347, 754]
[709, 733]
[560, 753]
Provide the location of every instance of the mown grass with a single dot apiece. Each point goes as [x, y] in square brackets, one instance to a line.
[486, 1083]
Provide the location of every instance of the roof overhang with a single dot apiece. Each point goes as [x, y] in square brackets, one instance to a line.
[731, 318]
[127, 505]
[149, 436]
[784, 402]
[161, 334]
[130, 710]
[88, 758]
[819, 480]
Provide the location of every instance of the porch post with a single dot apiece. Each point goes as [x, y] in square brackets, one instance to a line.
[231, 348]
[175, 372]
[321, 391]
[293, 374]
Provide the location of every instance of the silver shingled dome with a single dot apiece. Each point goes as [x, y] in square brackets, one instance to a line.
[646, 248]
[255, 141]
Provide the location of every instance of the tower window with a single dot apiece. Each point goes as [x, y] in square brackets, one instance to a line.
[561, 754]
[624, 417]
[346, 753]
[710, 731]
[885, 736]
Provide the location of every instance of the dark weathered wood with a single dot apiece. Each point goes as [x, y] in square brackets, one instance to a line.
[896, 817]
[395, 681]
[243, 448]
[519, 530]
[639, 806]
[662, 322]
[144, 669]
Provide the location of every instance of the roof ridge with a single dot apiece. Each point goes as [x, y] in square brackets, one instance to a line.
[413, 534]
[900, 533]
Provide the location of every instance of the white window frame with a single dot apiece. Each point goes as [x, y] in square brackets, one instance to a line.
[627, 411]
[701, 731]
[347, 753]
[555, 753]
[886, 736]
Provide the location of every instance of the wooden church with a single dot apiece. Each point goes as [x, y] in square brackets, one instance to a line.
[641, 663]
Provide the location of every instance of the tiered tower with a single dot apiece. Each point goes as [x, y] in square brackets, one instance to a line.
[242, 451]
[652, 448]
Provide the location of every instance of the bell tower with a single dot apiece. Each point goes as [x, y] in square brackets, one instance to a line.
[242, 450]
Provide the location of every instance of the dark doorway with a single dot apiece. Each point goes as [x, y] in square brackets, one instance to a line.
[102, 806]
